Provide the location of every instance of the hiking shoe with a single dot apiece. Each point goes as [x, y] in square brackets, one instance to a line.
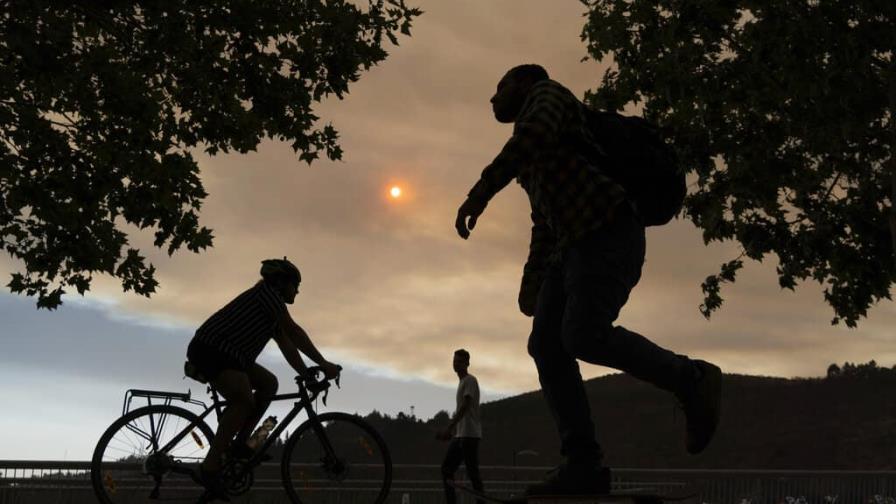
[211, 480]
[701, 401]
[577, 479]
[243, 452]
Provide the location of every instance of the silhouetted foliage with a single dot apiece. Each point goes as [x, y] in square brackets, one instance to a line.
[867, 371]
[441, 418]
[784, 111]
[833, 371]
[102, 103]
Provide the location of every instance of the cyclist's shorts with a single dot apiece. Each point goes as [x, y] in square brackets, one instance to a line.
[210, 361]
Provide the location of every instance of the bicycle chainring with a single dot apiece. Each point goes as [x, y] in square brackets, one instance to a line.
[238, 477]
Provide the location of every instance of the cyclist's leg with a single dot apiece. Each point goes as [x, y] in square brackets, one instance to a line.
[234, 385]
[265, 385]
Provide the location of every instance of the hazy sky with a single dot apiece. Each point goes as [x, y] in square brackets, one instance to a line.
[389, 289]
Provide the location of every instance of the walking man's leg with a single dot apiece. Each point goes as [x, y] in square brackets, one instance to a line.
[564, 392]
[471, 462]
[599, 272]
[453, 458]
[598, 275]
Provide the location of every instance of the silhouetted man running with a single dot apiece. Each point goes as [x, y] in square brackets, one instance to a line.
[466, 427]
[224, 350]
[585, 257]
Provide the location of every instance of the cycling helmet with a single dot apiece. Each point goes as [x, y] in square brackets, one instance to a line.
[272, 269]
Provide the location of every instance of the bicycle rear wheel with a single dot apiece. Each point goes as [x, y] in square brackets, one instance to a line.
[338, 456]
[128, 460]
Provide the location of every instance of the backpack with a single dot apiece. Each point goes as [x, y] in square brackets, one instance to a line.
[637, 158]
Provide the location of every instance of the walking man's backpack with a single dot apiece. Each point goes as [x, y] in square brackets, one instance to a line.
[637, 158]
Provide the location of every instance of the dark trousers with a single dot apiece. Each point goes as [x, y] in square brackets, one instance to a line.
[464, 449]
[579, 300]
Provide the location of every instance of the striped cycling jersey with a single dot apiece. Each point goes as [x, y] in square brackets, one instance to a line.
[569, 195]
[244, 326]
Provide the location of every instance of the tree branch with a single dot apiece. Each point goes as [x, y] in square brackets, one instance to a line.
[833, 185]
[64, 125]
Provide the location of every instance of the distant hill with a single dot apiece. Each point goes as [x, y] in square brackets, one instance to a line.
[844, 421]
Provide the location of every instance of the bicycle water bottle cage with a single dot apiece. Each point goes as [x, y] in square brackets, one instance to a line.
[193, 372]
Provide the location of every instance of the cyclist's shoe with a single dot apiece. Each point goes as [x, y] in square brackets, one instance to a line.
[243, 452]
[573, 479]
[211, 480]
[701, 400]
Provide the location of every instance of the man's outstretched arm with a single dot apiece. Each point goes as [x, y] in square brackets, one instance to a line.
[535, 129]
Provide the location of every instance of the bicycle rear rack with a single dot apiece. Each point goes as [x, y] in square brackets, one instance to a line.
[149, 395]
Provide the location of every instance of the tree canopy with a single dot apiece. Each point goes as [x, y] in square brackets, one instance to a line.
[103, 103]
[783, 111]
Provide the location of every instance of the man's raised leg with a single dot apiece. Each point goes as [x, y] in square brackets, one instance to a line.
[598, 276]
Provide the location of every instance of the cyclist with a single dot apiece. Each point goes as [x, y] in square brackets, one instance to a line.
[225, 347]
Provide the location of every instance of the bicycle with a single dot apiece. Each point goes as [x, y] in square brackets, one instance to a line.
[149, 453]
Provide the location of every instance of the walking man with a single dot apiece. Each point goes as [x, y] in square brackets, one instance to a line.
[466, 428]
[586, 254]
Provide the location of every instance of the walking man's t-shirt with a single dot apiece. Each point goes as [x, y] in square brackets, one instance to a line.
[469, 425]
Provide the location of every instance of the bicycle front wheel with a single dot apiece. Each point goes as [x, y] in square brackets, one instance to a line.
[132, 465]
[334, 457]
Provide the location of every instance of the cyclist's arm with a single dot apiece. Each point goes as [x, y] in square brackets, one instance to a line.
[302, 341]
[290, 352]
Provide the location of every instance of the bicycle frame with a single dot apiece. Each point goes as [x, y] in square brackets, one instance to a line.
[305, 402]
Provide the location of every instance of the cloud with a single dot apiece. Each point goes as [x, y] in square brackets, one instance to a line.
[390, 286]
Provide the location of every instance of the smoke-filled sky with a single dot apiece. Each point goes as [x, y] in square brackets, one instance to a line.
[389, 289]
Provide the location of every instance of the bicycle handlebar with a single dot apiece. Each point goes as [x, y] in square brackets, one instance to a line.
[315, 380]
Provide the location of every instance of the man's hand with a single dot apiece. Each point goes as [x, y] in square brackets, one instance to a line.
[467, 214]
[528, 297]
[527, 303]
[443, 435]
[331, 370]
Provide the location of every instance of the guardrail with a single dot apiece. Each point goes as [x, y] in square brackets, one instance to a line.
[68, 482]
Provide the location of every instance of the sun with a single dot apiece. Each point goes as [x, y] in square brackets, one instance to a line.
[395, 192]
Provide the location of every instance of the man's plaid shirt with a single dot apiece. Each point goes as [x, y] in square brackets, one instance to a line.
[569, 195]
